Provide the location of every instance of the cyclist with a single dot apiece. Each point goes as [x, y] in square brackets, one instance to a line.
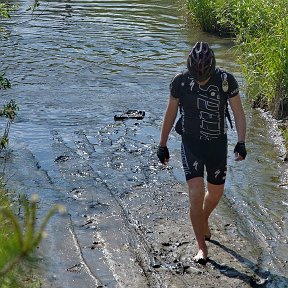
[202, 93]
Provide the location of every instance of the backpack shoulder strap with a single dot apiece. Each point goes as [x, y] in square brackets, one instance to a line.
[181, 91]
[224, 88]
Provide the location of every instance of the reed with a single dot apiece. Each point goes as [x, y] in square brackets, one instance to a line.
[259, 27]
[20, 235]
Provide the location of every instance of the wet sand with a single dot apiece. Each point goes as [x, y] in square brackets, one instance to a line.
[127, 223]
[155, 250]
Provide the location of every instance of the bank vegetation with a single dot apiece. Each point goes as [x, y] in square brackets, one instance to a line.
[20, 236]
[259, 28]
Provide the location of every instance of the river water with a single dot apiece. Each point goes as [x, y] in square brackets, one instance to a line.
[74, 65]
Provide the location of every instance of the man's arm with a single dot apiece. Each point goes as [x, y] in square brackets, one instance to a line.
[168, 120]
[240, 120]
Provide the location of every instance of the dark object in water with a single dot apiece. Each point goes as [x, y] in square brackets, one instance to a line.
[130, 114]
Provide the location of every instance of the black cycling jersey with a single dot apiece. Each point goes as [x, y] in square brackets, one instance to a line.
[203, 107]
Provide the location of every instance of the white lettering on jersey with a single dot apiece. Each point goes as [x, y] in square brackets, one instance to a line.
[208, 103]
[191, 84]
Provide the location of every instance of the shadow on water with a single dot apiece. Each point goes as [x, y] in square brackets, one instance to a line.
[260, 277]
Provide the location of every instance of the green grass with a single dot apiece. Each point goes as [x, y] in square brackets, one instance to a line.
[20, 235]
[259, 27]
[10, 250]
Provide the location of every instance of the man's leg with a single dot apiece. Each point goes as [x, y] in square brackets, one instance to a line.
[196, 197]
[211, 200]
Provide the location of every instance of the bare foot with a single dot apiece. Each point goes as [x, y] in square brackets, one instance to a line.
[201, 256]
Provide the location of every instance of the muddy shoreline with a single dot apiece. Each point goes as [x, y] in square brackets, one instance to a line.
[164, 247]
[128, 224]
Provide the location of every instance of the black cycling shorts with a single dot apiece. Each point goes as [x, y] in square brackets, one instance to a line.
[198, 155]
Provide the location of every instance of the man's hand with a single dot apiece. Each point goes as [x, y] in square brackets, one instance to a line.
[163, 154]
[240, 151]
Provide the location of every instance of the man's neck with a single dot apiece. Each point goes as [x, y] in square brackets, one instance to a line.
[202, 83]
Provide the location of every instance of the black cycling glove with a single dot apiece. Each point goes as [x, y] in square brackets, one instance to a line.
[163, 154]
[241, 149]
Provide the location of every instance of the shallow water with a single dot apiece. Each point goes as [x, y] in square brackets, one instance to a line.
[73, 66]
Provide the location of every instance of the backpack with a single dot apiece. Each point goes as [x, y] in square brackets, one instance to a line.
[223, 91]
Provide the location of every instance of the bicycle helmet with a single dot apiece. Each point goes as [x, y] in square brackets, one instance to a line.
[201, 61]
